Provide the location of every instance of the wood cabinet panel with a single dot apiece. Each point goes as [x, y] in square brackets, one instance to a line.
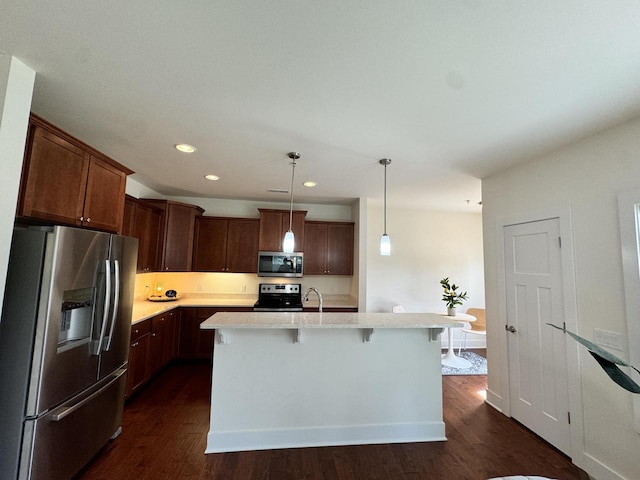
[177, 234]
[128, 217]
[56, 178]
[226, 245]
[162, 341]
[156, 348]
[153, 346]
[188, 333]
[67, 182]
[194, 342]
[340, 249]
[315, 247]
[210, 244]
[137, 369]
[275, 223]
[328, 248]
[143, 222]
[104, 198]
[242, 245]
[206, 338]
[270, 230]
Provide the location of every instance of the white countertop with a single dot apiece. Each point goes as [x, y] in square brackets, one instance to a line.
[265, 320]
[145, 309]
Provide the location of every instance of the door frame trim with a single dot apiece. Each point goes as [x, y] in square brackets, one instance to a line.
[564, 215]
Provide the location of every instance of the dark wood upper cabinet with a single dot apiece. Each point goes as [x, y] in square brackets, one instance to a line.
[242, 245]
[328, 248]
[177, 232]
[275, 223]
[226, 245]
[104, 198]
[127, 219]
[67, 182]
[210, 244]
[144, 221]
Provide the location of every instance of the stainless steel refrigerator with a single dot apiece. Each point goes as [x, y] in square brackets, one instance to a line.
[64, 344]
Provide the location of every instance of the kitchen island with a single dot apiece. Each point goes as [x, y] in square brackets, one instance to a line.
[283, 380]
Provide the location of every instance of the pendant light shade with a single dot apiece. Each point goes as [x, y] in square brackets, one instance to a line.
[385, 241]
[289, 241]
[385, 245]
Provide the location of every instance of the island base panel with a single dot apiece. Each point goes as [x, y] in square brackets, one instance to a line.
[332, 389]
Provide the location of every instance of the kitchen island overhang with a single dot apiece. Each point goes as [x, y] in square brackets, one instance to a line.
[284, 380]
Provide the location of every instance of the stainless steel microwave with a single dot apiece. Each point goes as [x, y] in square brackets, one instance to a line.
[280, 264]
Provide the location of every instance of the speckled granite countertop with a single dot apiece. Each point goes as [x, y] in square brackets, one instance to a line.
[144, 309]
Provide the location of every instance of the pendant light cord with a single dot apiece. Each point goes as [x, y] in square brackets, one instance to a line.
[385, 198]
[293, 171]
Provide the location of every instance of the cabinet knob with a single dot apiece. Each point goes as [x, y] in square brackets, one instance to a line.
[134, 345]
[153, 334]
[88, 220]
[81, 219]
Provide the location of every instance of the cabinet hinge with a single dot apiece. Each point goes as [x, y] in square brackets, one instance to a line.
[569, 417]
[560, 242]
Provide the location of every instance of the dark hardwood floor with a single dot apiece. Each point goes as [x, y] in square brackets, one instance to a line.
[165, 428]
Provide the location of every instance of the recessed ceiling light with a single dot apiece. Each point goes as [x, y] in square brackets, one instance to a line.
[185, 148]
[309, 184]
[212, 177]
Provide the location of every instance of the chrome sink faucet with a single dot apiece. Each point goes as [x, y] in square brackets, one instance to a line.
[315, 290]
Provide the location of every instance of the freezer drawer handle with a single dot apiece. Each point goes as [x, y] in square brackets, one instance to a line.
[68, 411]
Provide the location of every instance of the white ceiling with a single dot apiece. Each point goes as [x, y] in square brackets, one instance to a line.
[452, 91]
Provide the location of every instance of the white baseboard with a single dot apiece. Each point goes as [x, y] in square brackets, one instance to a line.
[236, 441]
[494, 400]
[598, 470]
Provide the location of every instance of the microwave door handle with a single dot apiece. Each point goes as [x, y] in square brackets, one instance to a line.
[105, 314]
[116, 302]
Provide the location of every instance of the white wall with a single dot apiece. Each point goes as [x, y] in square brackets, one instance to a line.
[426, 246]
[249, 208]
[138, 190]
[584, 178]
[16, 88]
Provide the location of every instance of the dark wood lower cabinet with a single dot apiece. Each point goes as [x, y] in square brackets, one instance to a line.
[153, 346]
[176, 334]
[331, 310]
[137, 370]
[194, 342]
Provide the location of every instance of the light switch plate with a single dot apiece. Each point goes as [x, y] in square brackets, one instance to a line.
[605, 338]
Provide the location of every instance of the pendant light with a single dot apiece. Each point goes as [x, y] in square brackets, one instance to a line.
[289, 242]
[385, 241]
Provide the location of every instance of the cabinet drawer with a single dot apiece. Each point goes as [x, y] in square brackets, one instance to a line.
[161, 321]
[140, 329]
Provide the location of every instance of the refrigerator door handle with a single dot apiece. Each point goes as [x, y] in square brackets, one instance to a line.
[69, 410]
[107, 301]
[116, 302]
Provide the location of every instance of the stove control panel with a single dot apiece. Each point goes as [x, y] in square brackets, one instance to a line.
[280, 288]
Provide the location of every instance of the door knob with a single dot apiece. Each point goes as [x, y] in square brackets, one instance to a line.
[510, 328]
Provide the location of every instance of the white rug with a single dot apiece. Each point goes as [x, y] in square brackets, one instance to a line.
[520, 477]
[478, 366]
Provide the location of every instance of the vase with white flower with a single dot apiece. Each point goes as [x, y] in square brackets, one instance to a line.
[451, 297]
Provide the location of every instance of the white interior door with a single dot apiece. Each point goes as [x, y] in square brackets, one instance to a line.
[537, 352]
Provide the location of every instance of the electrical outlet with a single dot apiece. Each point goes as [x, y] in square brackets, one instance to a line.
[605, 338]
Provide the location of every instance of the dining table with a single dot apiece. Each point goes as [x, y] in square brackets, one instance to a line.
[450, 359]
